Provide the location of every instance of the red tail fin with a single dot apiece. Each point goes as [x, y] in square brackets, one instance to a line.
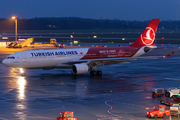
[148, 35]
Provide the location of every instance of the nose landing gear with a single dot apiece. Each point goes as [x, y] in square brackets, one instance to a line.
[22, 72]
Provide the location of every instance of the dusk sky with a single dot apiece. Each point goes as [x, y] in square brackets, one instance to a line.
[96, 9]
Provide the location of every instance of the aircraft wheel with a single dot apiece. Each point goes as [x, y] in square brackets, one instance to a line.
[93, 72]
[99, 72]
[23, 74]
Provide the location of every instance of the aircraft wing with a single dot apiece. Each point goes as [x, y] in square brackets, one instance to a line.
[99, 62]
[106, 61]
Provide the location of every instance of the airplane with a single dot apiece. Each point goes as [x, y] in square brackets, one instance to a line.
[82, 60]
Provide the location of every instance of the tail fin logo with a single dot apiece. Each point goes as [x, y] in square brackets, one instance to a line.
[148, 36]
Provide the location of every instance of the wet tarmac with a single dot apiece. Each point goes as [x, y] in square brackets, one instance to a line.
[123, 92]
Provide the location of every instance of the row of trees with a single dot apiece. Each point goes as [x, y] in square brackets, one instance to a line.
[69, 23]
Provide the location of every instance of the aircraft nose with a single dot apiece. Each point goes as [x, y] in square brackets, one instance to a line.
[5, 62]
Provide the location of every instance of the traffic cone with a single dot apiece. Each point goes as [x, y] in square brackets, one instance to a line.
[170, 117]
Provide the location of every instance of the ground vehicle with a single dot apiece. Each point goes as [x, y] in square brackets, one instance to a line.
[166, 101]
[175, 110]
[167, 91]
[174, 92]
[157, 92]
[158, 111]
[11, 45]
[176, 98]
[67, 115]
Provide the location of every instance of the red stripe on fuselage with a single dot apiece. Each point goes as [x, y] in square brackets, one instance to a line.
[110, 52]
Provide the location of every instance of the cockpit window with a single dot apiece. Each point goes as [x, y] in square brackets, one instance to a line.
[11, 57]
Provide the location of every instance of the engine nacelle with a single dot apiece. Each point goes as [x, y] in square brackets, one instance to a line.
[80, 68]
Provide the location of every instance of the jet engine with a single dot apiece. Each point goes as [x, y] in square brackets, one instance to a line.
[147, 49]
[80, 68]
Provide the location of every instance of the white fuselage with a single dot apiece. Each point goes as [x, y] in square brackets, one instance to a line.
[51, 58]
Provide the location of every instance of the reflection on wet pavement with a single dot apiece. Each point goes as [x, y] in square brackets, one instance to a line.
[21, 86]
[127, 86]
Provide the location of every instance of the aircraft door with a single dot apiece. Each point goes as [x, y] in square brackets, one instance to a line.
[23, 56]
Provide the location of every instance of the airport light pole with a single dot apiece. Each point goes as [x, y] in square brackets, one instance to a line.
[15, 20]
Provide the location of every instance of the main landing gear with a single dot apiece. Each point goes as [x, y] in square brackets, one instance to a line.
[94, 70]
[97, 72]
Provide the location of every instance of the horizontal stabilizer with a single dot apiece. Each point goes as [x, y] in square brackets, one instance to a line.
[170, 54]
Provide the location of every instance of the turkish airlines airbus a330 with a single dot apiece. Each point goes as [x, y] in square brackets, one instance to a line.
[82, 60]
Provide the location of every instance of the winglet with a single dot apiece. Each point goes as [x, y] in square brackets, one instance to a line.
[170, 54]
